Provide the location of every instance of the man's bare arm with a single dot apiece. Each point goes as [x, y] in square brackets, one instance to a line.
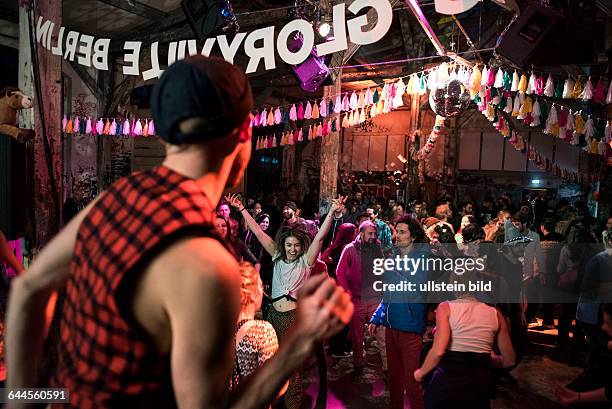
[30, 294]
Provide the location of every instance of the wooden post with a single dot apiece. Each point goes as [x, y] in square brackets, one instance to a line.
[330, 152]
[49, 97]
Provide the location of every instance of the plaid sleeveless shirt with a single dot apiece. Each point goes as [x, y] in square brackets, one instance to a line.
[104, 358]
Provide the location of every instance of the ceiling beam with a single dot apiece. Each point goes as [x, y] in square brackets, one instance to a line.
[88, 80]
[136, 7]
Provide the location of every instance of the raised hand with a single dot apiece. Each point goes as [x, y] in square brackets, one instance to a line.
[234, 200]
[338, 203]
[323, 310]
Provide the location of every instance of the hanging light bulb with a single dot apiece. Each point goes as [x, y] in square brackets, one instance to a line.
[324, 30]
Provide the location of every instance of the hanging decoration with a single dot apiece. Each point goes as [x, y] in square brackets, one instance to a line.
[450, 98]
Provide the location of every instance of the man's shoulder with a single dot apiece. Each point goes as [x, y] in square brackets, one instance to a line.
[203, 257]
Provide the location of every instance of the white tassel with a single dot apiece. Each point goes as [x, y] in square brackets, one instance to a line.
[485, 76]
[432, 80]
[521, 97]
[515, 82]
[536, 112]
[587, 91]
[517, 106]
[552, 120]
[354, 101]
[608, 132]
[521, 112]
[549, 88]
[589, 128]
[499, 79]
[531, 84]
[508, 108]
[338, 104]
[443, 72]
[601, 148]
[568, 88]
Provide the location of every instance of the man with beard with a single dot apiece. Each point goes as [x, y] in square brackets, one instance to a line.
[291, 219]
[355, 274]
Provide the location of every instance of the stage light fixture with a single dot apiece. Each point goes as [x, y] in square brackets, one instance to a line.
[324, 30]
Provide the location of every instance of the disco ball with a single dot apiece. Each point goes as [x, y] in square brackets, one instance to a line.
[450, 98]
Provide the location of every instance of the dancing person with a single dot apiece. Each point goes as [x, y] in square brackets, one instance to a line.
[355, 273]
[255, 340]
[294, 256]
[237, 246]
[462, 353]
[152, 295]
[339, 344]
[403, 317]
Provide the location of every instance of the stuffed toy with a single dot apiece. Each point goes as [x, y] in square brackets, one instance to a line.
[12, 100]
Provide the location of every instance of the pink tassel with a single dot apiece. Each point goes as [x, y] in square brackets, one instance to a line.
[293, 113]
[113, 128]
[64, 123]
[491, 77]
[539, 86]
[346, 105]
[126, 127]
[151, 128]
[301, 135]
[323, 108]
[598, 94]
[263, 119]
[77, 125]
[94, 127]
[100, 127]
[308, 111]
[278, 116]
[609, 95]
[138, 128]
[88, 128]
[300, 113]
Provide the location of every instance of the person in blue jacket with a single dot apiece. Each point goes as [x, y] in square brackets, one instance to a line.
[403, 315]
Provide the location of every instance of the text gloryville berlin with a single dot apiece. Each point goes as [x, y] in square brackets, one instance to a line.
[258, 45]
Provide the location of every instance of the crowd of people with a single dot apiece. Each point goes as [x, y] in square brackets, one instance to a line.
[549, 247]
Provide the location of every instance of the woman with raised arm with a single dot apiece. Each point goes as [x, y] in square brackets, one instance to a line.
[293, 255]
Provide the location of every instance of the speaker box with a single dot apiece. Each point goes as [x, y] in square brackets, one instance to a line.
[13, 187]
[210, 17]
[542, 36]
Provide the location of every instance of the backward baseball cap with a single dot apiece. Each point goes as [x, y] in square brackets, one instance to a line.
[207, 88]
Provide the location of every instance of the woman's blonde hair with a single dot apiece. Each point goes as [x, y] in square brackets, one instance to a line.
[250, 284]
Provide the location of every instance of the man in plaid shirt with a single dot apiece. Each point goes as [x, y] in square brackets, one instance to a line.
[151, 292]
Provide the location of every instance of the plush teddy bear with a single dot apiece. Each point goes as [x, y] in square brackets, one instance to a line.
[12, 100]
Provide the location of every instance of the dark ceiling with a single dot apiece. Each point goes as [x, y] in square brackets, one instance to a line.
[164, 21]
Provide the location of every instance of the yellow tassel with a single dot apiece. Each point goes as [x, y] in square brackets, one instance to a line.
[594, 146]
[380, 108]
[361, 100]
[475, 81]
[579, 125]
[528, 105]
[577, 89]
[523, 83]
[412, 87]
[345, 122]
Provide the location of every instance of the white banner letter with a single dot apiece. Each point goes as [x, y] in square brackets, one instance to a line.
[133, 57]
[100, 54]
[295, 57]
[256, 54]
[385, 18]
[229, 50]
